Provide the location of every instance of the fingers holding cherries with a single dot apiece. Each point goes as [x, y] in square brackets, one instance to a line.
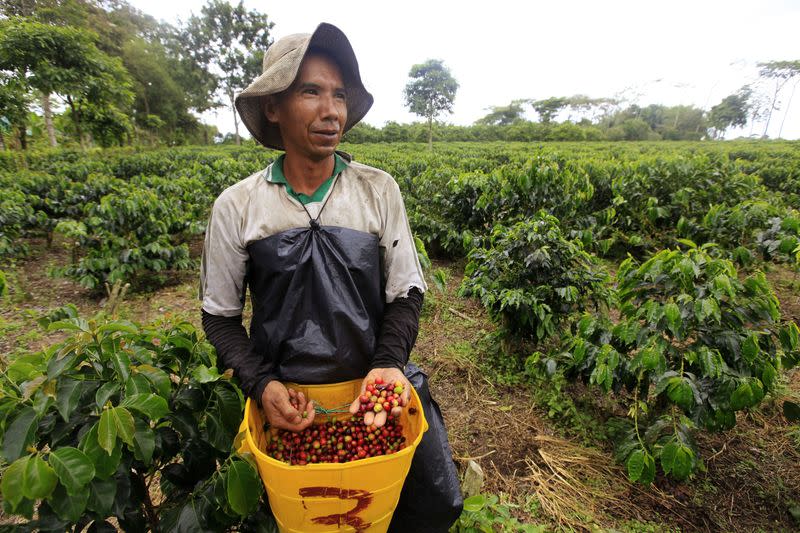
[381, 399]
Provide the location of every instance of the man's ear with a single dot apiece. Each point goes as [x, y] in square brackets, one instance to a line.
[271, 108]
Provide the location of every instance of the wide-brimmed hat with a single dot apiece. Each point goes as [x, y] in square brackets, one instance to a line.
[281, 64]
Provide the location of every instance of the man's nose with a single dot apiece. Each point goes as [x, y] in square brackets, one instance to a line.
[329, 107]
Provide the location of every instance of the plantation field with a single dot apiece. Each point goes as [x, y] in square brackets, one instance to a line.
[605, 364]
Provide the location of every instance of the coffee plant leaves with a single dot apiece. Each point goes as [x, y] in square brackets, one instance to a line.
[157, 377]
[203, 374]
[151, 406]
[19, 434]
[144, 440]
[39, 479]
[105, 463]
[68, 395]
[681, 392]
[121, 363]
[243, 487]
[791, 410]
[13, 482]
[750, 348]
[107, 431]
[137, 384]
[73, 468]
[641, 467]
[673, 314]
[68, 506]
[105, 392]
[747, 394]
[102, 494]
[677, 459]
[123, 420]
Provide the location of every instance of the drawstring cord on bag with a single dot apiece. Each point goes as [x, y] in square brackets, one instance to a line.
[314, 222]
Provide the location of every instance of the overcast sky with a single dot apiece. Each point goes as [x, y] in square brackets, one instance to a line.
[669, 52]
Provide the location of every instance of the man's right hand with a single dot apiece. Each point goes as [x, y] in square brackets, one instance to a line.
[284, 407]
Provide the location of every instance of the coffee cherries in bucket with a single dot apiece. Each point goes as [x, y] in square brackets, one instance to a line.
[338, 441]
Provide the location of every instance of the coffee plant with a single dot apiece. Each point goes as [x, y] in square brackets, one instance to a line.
[126, 422]
[127, 236]
[531, 277]
[692, 346]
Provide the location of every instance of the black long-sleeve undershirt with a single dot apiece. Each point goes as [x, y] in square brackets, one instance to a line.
[234, 350]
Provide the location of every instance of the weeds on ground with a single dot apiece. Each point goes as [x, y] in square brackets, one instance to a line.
[484, 512]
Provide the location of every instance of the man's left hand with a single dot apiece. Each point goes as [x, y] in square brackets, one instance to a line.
[388, 375]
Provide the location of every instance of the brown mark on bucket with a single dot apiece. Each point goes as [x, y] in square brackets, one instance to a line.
[350, 518]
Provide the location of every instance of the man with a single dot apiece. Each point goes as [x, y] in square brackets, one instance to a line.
[324, 245]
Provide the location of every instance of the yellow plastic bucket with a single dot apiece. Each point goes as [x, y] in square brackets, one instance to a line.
[356, 496]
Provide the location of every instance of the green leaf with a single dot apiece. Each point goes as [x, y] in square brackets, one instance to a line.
[790, 337]
[20, 434]
[711, 362]
[768, 376]
[73, 468]
[217, 436]
[680, 392]
[635, 465]
[673, 314]
[137, 384]
[105, 464]
[68, 396]
[791, 411]
[475, 503]
[122, 326]
[39, 479]
[69, 507]
[750, 348]
[14, 480]
[123, 420]
[150, 405]
[723, 284]
[144, 442]
[243, 487]
[677, 459]
[121, 363]
[60, 364]
[743, 397]
[102, 495]
[105, 392]
[157, 377]
[203, 374]
[652, 357]
[230, 406]
[107, 431]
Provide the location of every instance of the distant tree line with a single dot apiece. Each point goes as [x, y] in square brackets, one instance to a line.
[101, 72]
[585, 118]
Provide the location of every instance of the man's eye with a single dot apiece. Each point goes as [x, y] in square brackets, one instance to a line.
[341, 96]
[310, 91]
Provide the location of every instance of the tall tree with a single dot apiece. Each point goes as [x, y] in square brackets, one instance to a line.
[229, 43]
[65, 61]
[503, 115]
[13, 105]
[781, 72]
[431, 91]
[548, 108]
[731, 112]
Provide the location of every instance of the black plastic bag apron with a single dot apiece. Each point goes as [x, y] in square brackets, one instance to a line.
[317, 302]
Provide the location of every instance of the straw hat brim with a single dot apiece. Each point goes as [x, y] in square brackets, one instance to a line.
[281, 72]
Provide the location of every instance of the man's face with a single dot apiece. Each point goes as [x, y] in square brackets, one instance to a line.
[313, 111]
